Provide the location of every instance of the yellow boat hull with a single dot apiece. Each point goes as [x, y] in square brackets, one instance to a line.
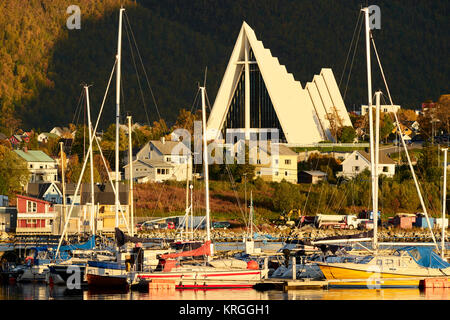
[360, 278]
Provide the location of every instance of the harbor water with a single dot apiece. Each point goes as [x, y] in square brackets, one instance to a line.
[36, 291]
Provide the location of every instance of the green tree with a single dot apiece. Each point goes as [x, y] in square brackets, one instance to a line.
[346, 134]
[14, 174]
[286, 196]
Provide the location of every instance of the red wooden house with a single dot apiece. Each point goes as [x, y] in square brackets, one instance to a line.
[34, 216]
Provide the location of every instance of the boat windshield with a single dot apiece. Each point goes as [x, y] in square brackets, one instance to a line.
[425, 257]
[349, 259]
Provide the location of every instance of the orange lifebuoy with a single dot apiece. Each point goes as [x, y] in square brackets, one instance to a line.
[252, 265]
[31, 259]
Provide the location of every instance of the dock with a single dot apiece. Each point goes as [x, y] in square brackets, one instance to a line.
[290, 284]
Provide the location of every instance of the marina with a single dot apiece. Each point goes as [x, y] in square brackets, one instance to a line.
[312, 202]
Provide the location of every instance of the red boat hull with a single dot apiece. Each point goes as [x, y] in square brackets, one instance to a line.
[102, 281]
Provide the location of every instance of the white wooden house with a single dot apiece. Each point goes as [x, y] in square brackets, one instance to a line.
[359, 160]
[161, 160]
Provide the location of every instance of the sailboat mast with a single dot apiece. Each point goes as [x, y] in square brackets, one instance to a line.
[205, 165]
[369, 105]
[119, 58]
[91, 160]
[377, 160]
[63, 181]
[444, 202]
[251, 214]
[130, 168]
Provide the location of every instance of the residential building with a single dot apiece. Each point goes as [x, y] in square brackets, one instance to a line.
[8, 215]
[161, 160]
[281, 164]
[359, 160]
[44, 136]
[406, 130]
[15, 140]
[62, 132]
[34, 216]
[104, 206]
[313, 176]
[383, 108]
[53, 192]
[42, 167]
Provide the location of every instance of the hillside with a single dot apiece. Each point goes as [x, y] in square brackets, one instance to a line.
[43, 64]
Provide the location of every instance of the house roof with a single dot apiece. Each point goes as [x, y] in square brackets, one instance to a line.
[282, 150]
[167, 147]
[32, 198]
[316, 173]
[37, 190]
[103, 194]
[50, 135]
[384, 159]
[152, 163]
[34, 156]
[17, 137]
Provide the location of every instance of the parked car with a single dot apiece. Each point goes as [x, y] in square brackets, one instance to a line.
[147, 225]
[366, 225]
[221, 224]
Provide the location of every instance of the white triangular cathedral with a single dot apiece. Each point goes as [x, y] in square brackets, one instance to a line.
[257, 92]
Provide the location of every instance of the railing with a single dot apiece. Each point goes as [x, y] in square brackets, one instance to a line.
[30, 230]
[325, 145]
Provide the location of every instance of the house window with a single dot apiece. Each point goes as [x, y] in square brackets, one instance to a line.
[41, 167]
[287, 161]
[276, 161]
[31, 206]
[285, 173]
[158, 171]
[258, 161]
[258, 173]
[356, 157]
[356, 168]
[385, 169]
[276, 173]
[168, 159]
[31, 166]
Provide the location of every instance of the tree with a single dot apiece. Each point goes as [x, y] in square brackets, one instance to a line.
[74, 170]
[186, 120]
[286, 197]
[335, 122]
[386, 126]
[346, 134]
[406, 115]
[109, 139]
[14, 173]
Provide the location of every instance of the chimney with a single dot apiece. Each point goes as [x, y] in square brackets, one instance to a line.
[25, 149]
[163, 140]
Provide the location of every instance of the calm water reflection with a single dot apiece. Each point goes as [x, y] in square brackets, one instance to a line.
[44, 292]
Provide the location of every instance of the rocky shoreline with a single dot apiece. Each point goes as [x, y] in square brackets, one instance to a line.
[305, 233]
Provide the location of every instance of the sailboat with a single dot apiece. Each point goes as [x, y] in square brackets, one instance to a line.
[215, 273]
[407, 266]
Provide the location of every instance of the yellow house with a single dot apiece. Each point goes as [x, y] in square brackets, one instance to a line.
[405, 130]
[104, 201]
[106, 218]
[275, 163]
